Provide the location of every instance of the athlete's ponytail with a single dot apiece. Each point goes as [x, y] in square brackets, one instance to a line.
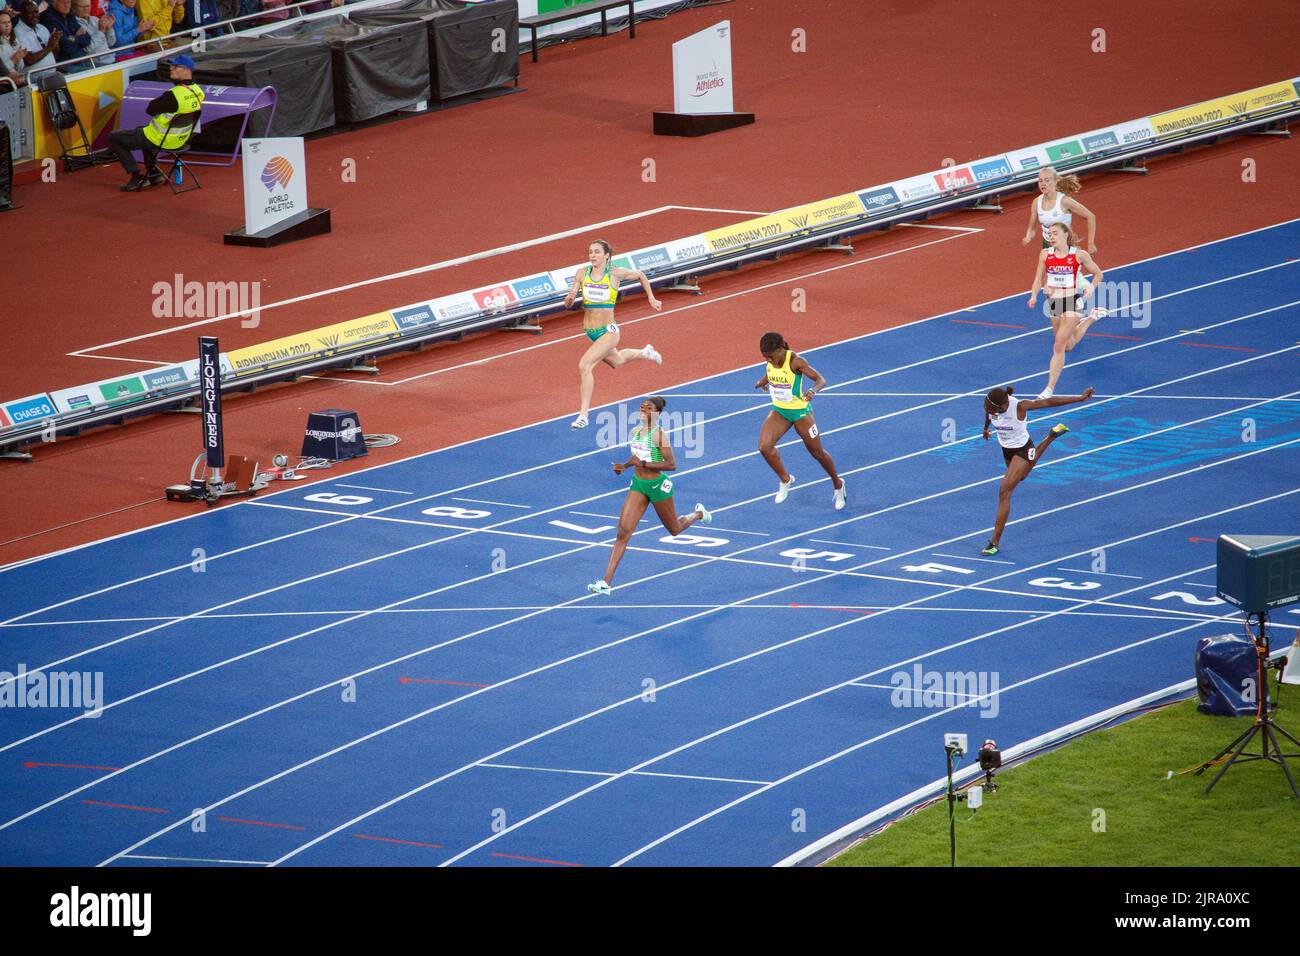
[1066, 184]
[658, 401]
[771, 341]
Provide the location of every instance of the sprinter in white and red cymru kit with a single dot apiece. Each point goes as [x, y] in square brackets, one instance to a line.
[1058, 276]
[1006, 416]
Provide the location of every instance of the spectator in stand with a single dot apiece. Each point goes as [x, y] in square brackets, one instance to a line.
[128, 27]
[36, 39]
[200, 15]
[100, 28]
[13, 57]
[76, 38]
[275, 12]
[163, 14]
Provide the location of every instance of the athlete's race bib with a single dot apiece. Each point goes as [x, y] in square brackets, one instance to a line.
[780, 393]
[597, 294]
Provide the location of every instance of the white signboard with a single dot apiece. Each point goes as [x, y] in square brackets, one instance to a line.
[702, 71]
[275, 181]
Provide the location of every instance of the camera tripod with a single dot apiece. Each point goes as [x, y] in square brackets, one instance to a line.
[1264, 726]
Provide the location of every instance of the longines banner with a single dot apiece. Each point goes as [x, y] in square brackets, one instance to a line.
[702, 71]
[275, 181]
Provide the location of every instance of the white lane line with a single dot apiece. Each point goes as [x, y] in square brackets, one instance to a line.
[391, 491]
[1106, 574]
[735, 212]
[917, 690]
[760, 534]
[120, 358]
[1212, 587]
[692, 776]
[926, 225]
[647, 773]
[193, 859]
[503, 504]
[967, 557]
[512, 766]
[405, 273]
[703, 378]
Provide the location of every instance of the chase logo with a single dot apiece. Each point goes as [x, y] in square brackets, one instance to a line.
[30, 409]
[883, 198]
[277, 172]
[536, 287]
[413, 317]
[164, 377]
[995, 169]
[1095, 144]
[651, 259]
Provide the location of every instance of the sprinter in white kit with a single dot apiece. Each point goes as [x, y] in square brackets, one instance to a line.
[1006, 416]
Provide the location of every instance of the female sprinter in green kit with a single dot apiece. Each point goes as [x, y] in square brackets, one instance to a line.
[651, 459]
[597, 286]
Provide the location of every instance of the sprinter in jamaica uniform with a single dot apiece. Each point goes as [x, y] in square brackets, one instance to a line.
[785, 379]
[651, 460]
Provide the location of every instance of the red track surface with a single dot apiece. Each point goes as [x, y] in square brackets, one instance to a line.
[885, 90]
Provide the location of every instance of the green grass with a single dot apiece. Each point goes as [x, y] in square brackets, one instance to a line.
[1045, 812]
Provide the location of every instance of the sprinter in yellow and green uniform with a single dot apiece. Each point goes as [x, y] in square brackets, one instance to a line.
[597, 286]
[786, 380]
[651, 460]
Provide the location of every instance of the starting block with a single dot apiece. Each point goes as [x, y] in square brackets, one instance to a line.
[242, 480]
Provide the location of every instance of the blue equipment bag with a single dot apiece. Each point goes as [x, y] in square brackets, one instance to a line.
[1227, 676]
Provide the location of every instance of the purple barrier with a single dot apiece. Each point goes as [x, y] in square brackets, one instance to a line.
[221, 103]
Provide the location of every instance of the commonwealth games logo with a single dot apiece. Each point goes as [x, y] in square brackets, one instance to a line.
[277, 171]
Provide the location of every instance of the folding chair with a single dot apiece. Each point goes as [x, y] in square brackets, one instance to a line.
[176, 175]
[63, 117]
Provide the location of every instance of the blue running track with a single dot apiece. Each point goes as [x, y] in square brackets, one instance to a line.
[403, 666]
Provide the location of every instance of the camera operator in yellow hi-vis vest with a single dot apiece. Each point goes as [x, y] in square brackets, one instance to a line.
[173, 117]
